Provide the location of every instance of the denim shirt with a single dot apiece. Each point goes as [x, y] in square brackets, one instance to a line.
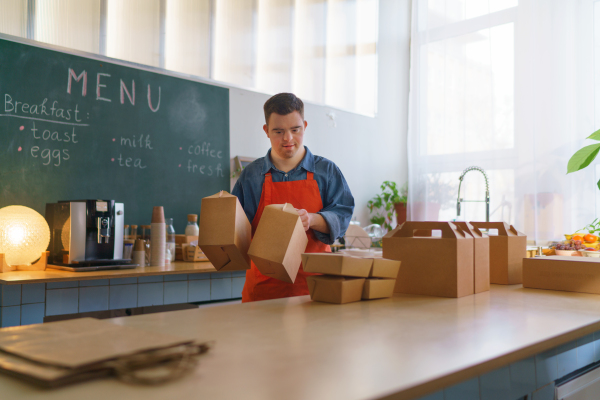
[338, 203]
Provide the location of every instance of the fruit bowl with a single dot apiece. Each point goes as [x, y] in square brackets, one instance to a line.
[574, 253]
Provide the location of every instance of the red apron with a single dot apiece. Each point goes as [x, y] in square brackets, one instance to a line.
[302, 195]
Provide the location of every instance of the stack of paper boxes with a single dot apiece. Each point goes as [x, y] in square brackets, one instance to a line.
[347, 279]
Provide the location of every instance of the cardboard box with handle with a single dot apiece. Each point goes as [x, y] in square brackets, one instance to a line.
[434, 266]
[481, 256]
[507, 250]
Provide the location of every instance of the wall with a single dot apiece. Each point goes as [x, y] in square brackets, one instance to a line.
[368, 150]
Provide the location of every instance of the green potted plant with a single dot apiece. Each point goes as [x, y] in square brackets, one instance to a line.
[584, 157]
[384, 204]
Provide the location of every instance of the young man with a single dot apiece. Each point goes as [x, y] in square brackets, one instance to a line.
[290, 173]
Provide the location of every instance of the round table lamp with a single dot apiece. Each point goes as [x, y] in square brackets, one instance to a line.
[24, 235]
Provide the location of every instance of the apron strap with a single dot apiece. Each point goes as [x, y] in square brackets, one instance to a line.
[310, 176]
[267, 187]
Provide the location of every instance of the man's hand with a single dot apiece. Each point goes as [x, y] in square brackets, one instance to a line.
[305, 217]
[314, 221]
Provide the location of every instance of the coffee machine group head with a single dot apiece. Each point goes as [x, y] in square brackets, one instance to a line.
[85, 230]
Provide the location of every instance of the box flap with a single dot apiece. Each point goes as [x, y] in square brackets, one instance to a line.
[408, 229]
[287, 207]
[220, 195]
[503, 228]
[469, 228]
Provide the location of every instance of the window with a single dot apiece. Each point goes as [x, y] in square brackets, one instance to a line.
[325, 51]
[464, 109]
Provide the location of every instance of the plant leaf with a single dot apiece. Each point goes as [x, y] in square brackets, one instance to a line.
[595, 135]
[583, 157]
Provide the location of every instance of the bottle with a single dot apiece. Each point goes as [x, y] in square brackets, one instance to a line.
[170, 238]
[192, 226]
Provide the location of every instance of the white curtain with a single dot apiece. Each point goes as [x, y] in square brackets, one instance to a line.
[187, 47]
[13, 17]
[133, 31]
[509, 86]
[73, 24]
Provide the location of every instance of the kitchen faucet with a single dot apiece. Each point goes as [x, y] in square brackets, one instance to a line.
[487, 193]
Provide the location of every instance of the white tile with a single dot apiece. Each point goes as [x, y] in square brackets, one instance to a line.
[199, 290]
[93, 298]
[220, 289]
[546, 367]
[123, 296]
[495, 385]
[176, 292]
[62, 301]
[468, 390]
[522, 377]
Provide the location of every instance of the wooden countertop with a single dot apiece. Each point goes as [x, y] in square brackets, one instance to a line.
[398, 348]
[55, 275]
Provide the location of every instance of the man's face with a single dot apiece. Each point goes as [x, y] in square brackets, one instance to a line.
[286, 133]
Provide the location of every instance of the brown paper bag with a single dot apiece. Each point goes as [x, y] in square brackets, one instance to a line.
[57, 353]
[225, 232]
[279, 242]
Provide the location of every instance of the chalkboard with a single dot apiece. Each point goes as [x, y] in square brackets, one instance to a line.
[78, 127]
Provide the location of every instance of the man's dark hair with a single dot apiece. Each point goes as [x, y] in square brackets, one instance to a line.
[283, 104]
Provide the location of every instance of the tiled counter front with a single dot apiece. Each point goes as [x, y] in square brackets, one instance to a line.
[530, 379]
[28, 303]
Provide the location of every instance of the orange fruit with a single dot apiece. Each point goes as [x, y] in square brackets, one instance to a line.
[590, 238]
[577, 237]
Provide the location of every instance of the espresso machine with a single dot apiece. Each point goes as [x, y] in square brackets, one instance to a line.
[86, 234]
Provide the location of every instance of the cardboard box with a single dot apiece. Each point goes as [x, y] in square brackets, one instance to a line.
[383, 268]
[337, 264]
[180, 241]
[571, 274]
[193, 253]
[225, 232]
[335, 289]
[357, 237]
[507, 250]
[376, 288]
[279, 242]
[184, 239]
[481, 256]
[434, 266]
